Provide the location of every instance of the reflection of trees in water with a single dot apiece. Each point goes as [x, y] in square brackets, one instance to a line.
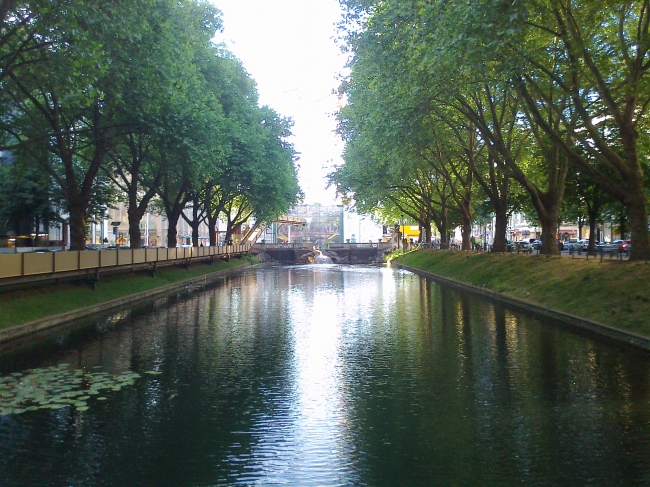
[435, 387]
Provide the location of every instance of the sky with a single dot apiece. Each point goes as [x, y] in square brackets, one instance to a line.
[288, 48]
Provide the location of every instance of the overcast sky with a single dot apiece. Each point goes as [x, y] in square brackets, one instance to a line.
[288, 48]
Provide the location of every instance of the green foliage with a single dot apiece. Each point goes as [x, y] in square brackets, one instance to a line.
[26, 194]
[132, 97]
[549, 87]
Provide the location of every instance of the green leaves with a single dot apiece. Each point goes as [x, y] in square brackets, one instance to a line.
[106, 95]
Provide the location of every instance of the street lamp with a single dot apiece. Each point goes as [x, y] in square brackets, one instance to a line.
[115, 225]
[360, 219]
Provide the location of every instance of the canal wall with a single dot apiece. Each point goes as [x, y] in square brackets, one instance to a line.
[563, 318]
[31, 331]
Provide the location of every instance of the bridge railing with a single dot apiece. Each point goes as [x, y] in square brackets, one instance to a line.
[52, 263]
[332, 246]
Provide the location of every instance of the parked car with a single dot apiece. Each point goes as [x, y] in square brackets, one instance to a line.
[536, 244]
[577, 245]
[601, 246]
[571, 244]
[523, 246]
[614, 247]
[620, 246]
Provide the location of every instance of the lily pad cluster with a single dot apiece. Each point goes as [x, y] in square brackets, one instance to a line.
[57, 387]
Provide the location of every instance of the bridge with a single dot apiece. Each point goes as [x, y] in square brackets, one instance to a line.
[299, 253]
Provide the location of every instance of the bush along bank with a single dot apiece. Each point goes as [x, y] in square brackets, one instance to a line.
[612, 293]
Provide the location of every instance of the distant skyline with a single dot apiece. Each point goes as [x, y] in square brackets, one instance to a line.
[288, 48]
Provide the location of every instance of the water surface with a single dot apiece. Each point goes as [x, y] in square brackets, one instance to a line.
[329, 376]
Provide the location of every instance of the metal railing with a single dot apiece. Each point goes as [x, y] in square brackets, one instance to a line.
[16, 267]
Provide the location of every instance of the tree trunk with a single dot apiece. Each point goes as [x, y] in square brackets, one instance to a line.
[77, 228]
[212, 231]
[444, 243]
[136, 212]
[500, 227]
[549, 227]
[638, 215]
[195, 233]
[135, 216]
[173, 216]
[172, 234]
[467, 233]
[591, 248]
[134, 231]
[427, 231]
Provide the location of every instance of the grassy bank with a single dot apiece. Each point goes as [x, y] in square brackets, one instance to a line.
[612, 293]
[18, 307]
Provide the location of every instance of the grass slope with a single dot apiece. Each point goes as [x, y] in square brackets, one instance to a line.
[612, 293]
[18, 307]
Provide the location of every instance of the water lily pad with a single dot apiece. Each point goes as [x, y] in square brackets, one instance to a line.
[101, 398]
[56, 387]
[153, 372]
[82, 408]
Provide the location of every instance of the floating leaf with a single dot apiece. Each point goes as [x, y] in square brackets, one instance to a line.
[56, 387]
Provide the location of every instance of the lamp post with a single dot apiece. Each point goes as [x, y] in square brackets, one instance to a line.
[360, 219]
[115, 225]
[146, 232]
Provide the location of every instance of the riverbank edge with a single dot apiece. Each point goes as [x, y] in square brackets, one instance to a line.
[567, 319]
[42, 327]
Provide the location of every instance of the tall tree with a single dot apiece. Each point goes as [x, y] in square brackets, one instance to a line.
[71, 111]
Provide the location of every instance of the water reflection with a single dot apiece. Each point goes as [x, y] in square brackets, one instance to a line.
[333, 375]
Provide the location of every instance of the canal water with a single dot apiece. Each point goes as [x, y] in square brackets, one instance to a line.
[324, 376]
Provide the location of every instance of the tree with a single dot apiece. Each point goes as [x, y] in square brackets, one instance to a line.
[161, 83]
[27, 198]
[605, 57]
[70, 112]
